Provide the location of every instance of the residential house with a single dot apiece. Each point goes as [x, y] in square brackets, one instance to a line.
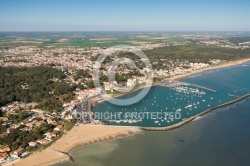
[41, 141]
[37, 111]
[4, 119]
[3, 157]
[33, 144]
[50, 136]
[25, 129]
[58, 128]
[15, 126]
[50, 121]
[17, 152]
[4, 149]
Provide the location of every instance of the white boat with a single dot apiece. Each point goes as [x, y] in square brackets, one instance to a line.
[189, 106]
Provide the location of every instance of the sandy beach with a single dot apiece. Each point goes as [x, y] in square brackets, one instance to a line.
[77, 136]
[87, 134]
[222, 65]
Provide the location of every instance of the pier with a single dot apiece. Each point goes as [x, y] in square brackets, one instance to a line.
[171, 83]
[174, 83]
[201, 87]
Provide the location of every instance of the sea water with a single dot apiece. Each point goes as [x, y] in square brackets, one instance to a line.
[218, 138]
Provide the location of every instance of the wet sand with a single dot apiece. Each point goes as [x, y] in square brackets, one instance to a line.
[77, 136]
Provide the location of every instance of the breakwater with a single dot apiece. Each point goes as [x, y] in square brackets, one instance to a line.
[187, 120]
[201, 87]
[174, 84]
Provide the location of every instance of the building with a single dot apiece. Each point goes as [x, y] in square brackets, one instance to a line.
[41, 141]
[50, 136]
[130, 82]
[58, 128]
[3, 156]
[4, 149]
[17, 152]
[106, 86]
[33, 144]
[37, 111]
[4, 119]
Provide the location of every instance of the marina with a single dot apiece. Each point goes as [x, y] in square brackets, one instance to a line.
[187, 97]
[186, 100]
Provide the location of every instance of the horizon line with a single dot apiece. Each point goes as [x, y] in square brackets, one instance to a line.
[130, 31]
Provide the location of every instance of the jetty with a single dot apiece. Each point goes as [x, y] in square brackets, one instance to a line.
[201, 87]
[71, 158]
[171, 83]
[174, 83]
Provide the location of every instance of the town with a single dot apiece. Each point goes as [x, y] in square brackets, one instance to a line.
[26, 128]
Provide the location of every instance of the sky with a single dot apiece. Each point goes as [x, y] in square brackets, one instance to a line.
[124, 15]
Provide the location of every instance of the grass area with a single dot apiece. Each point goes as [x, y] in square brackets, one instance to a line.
[112, 93]
[175, 39]
[91, 43]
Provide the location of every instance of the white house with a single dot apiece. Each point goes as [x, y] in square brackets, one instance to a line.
[130, 82]
[106, 86]
[32, 143]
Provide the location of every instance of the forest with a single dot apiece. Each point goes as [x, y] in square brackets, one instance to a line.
[196, 53]
[40, 84]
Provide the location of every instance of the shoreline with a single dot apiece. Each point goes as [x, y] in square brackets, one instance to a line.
[77, 137]
[179, 77]
[98, 133]
[219, 66]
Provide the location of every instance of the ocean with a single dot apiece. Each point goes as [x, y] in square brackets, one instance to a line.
[218, 138]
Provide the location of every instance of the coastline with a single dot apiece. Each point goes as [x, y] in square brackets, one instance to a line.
[179, 77]
[78, 136]
[88, 134]
[219, 66]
